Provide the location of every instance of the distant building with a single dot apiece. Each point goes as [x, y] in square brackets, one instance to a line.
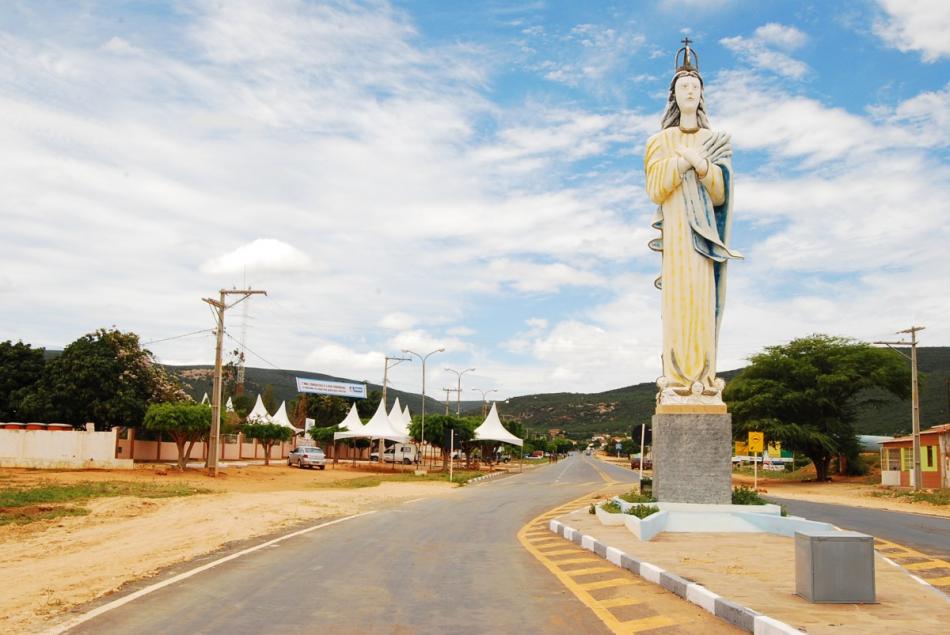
[897, 459]
[555, 432]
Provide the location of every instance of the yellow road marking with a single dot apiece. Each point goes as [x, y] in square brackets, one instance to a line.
[944, 581]
[557, 552]
[612, 603]
[591, 560]
[606, 584]
[930, 564]
[648, 623]
[588, 570]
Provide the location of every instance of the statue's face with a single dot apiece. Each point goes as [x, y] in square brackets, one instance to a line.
[687, 91]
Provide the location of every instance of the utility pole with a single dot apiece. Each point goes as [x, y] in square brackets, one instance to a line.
[914, 394]
[220, 306]
[386, 367]
[458, 401]
[447, 391]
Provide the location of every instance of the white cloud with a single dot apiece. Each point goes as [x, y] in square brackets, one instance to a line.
[460, 331]
[760, 50]
[530, 277]
[423, 342]
[261, 255]
[397, 321]
[915, 25]
[333, 359]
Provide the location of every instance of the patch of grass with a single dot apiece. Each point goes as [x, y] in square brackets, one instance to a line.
[460, 477]
[743, 495]
[642, 511]
[611, 507]
[633, 496]
[42, 502]
[934, 497]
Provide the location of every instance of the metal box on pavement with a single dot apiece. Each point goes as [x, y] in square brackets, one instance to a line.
[834, 567]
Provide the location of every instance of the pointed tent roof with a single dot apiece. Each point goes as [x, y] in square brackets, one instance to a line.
[205, 399]
[352, 422]
[379, 427]
[280, 417]
[396, 412]
[259, 414]
[406, 418]
[492, 430]
[229, 406]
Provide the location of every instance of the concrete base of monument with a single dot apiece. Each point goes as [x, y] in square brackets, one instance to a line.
[692, 458]
[688, 518]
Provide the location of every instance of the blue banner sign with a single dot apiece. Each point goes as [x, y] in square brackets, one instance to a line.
[335, 388]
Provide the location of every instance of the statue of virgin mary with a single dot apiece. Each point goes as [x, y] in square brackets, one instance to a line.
[689, 176]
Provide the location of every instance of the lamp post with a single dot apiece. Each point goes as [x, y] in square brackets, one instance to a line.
[458, 392]
[484, 398]
[423, 358]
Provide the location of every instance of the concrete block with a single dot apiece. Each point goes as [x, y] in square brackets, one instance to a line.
[692, 458]
[674, 583]
[630, 564]
[556, 527]
[650, 572]
[614, 555]
[587, 542]
[600, 549]
[701, 596]
[834, 566]
[576, 537]
[737, 615]
[765, 625]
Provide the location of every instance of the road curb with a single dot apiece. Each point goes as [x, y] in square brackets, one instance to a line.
[743, 617]
[486, 477]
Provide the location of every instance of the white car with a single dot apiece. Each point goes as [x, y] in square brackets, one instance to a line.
[307, 456]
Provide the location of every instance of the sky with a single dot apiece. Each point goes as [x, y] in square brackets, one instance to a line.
[462, 175]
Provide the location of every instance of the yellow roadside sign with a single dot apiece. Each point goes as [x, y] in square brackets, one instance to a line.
[756, 441]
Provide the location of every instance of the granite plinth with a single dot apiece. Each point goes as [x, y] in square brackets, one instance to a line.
[692, 458]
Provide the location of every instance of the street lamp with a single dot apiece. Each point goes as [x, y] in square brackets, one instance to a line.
[484, 398]
[423, 358]
[458, 392]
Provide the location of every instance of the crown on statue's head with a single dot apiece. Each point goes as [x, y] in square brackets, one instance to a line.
[686, 58]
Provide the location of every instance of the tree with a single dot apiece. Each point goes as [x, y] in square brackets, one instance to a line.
[438, 425]
[268, 398]
[268, 435]
[324, 434]
[105, 377]
[183, 422]
[805, 394]
[21, 366]
[365, 408]
[327, 410]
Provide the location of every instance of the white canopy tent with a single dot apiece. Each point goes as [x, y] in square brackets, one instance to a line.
[379, 427]
[229, 406]
[492, 430]
[407, 418]
[280, 418]
[259, 414]
[352, 422]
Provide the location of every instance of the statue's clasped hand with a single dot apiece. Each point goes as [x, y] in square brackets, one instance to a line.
[690, 158]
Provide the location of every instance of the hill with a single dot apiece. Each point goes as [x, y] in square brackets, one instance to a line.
[617, 411]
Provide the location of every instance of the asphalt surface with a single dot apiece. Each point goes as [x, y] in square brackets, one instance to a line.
[441, 564]
[928, 534]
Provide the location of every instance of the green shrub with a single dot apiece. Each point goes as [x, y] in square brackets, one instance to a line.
[611, 507]
[633, 496]
[744, 495]
[642, 511]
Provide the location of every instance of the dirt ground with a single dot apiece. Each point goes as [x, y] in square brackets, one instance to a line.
[48, 567]
[758, 571]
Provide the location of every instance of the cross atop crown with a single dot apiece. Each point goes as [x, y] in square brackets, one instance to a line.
[689, 60]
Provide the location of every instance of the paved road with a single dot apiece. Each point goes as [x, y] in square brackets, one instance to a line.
[928, 534]
[442, 564]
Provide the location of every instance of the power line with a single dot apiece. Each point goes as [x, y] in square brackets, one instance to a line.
[177, 337]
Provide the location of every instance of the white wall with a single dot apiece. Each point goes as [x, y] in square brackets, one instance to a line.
[59, 450]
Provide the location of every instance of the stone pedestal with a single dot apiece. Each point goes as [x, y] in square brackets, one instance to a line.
[692, 458]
